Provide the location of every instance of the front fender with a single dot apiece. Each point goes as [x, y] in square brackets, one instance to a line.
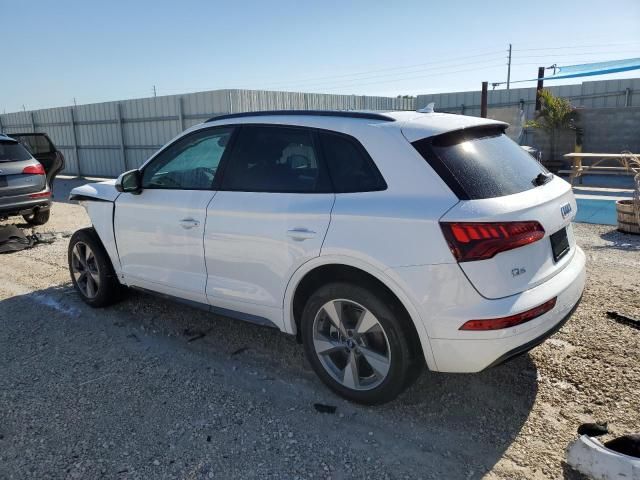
[98, 199]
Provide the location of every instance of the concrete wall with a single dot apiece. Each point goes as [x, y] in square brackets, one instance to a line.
[606, 130]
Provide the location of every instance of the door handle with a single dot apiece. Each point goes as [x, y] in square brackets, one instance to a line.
[300, 234]
[188, 223]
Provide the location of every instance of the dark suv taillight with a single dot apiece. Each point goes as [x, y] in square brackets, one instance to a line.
[471, 241]
[34, 169]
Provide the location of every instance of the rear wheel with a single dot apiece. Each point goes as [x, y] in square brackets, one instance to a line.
[40, 217]
[91, 271]
[358, 344]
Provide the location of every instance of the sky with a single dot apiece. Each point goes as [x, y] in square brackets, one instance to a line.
[55, 52]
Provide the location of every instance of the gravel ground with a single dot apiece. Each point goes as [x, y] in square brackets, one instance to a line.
[136, 391]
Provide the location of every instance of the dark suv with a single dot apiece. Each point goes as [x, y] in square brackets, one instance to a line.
[29, 163]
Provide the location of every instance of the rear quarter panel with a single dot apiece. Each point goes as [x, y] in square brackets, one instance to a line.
[398, 226]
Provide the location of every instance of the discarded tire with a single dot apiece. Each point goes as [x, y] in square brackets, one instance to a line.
[627, 221]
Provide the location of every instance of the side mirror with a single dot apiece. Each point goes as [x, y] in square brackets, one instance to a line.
[129, 182]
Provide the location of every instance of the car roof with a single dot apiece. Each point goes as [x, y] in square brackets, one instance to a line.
[414, 125]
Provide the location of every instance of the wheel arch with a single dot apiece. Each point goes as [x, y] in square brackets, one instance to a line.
[322, 270]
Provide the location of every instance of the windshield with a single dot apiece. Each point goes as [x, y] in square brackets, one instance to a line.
[13, 152]
[481, 163]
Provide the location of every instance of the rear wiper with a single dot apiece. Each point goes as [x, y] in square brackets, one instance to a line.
[542, 178]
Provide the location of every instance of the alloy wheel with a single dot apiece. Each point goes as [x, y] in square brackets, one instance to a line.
[85, 270]
[351, 344]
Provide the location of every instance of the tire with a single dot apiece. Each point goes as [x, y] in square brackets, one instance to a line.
[385, 339]
[91, 272]
[38, 218]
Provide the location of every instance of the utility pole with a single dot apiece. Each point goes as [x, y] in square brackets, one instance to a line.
[509, 68]
[154, 90]
[74, 101]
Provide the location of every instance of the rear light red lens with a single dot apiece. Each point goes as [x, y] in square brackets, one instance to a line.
[511, 321]
[480, 241]
[40, 195]
[34, 169]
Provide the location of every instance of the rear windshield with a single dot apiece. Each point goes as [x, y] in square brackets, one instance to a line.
[480, 163]
[13, 152]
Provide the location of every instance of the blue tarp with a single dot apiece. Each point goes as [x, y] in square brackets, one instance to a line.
[589, 69]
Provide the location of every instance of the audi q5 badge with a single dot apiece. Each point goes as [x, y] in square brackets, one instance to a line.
[565, 210]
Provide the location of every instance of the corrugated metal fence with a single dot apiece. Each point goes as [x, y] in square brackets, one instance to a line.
[105, 139]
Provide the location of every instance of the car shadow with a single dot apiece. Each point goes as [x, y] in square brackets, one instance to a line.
[121, 363]
[621, 241]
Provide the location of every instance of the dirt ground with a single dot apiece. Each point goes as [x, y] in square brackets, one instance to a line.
[137, 391]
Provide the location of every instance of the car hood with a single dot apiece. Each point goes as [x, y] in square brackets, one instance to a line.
[101, 191]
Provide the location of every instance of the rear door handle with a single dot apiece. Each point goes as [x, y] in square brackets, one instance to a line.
[188, 223]
[300, 234]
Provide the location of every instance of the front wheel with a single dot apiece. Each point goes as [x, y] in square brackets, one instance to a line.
[91, 271]
[358, 344]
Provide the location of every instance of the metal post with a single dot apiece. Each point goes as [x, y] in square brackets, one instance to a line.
[75, 140]
[539, 88]
[180, 114]
[33, 124]
[627, 97]
[483, 99]
[509, 68]
[121, 130]
[1, 127]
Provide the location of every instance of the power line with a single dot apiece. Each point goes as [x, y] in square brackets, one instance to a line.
[575, 46]
[398, 73]
[579, 54]
[440, 74]
[316, 80]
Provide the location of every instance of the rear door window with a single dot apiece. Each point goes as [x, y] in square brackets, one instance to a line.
[275, 159]
[11, 151]
[350, 167]
[480, 163]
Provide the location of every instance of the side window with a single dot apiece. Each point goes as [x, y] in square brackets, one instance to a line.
[350, 167]
[190, 163]
[275, 159]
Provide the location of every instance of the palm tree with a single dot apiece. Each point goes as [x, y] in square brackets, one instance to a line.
[556, 114]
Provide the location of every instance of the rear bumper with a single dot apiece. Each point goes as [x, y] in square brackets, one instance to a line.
[448, 301]
[466, 354]
[22, 205]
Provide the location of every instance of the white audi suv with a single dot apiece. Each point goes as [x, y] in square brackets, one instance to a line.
[384, 241]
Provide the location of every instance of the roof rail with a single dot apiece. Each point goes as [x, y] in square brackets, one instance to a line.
[319, 113]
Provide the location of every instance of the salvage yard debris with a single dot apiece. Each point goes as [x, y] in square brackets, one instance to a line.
[13, 239]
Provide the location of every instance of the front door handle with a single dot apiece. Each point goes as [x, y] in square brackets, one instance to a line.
[189, 223]
[300, 234]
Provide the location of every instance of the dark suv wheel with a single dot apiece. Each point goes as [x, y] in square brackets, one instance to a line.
[358, 344]
[91, 271]
[38, 218]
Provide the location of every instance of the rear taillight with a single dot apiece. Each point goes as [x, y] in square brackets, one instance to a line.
[478, 241]
[510, 321]
[34, 169]
[40, 195]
